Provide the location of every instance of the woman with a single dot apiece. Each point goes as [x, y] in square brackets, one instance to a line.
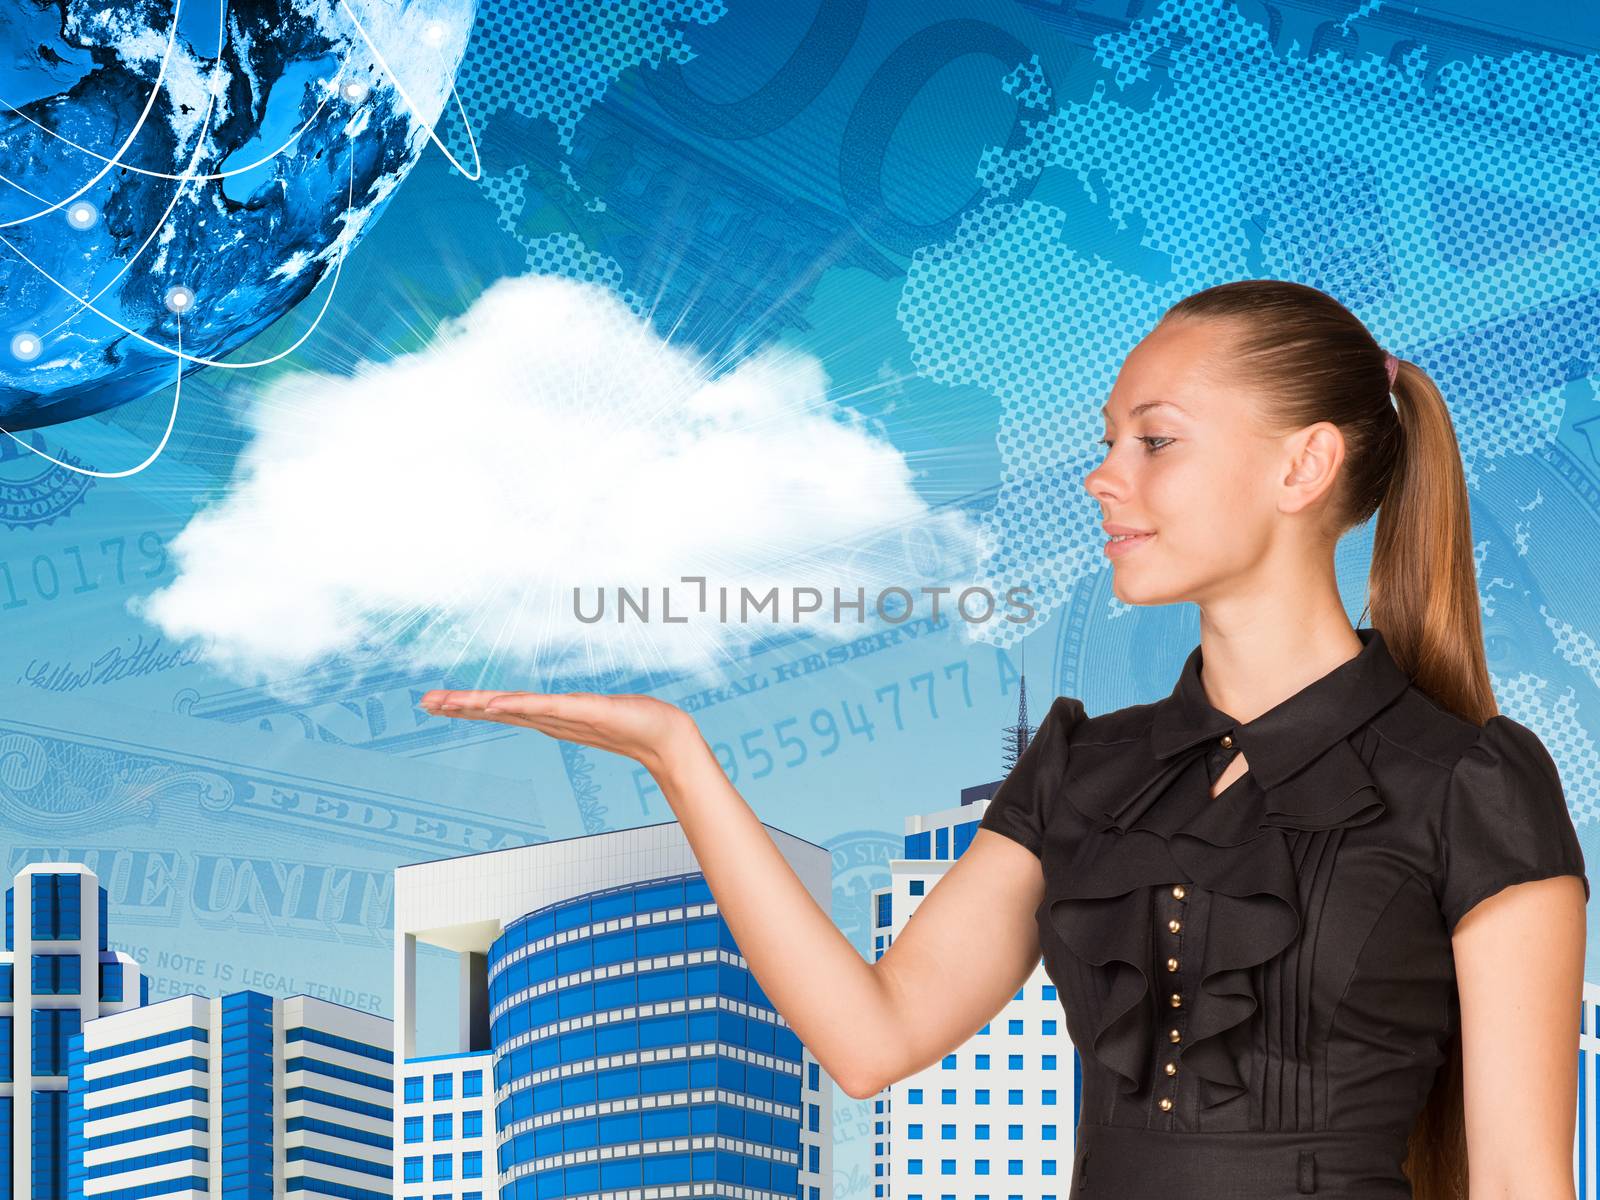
[1317, 918]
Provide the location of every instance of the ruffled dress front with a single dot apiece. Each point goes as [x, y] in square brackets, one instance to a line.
[1261, 984]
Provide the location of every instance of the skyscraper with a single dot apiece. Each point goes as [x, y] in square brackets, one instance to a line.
[621, 1040]
[996, 1118]
[245, 1096]
[56, 974]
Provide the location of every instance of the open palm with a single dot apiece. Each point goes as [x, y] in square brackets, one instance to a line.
[640, 727]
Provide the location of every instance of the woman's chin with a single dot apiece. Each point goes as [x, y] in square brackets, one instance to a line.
[1131, 591]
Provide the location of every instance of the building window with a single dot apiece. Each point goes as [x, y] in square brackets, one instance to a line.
[414, 1170]
[1013, 1026]
[472, 1124]
[982, 1062]
[57, 908]
[471, 1083]
[980, 1166]
[947, 1166]
[919, 887]
[947, 1132]
[441, 1167]
[1014, 1096]
[914, 1166]
[981, 1132]
[1050, 1028]
[413, 1089]
[1048, 1132]
[111, 982]
[1014, 1061]
[949, 1063]
[947, 1095]
[1049, 1062]
[981, 1095]
[914, 1132]
[441, 1127]
[472, 1164]
[413, 1129]
[1049, 991]
[442, 1087]
[57, 975]
[1013, 1166]
[1048, 1095]
[913, 1095]
[52, 1027]
[1049, 1166]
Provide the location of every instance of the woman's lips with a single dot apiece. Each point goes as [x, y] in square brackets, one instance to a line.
[1117, 547]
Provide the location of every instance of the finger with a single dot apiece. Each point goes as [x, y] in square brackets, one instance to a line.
[572, 706]
[441, 697]
[551, 722]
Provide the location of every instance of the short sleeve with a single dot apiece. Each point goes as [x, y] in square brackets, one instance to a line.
[1019, 808]
[1505, 820]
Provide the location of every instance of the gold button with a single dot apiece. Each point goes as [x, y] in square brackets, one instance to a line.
[1227, 740]
[1171, 1068]
[1172, 964]
[1166, 1104]
[1174, 925]
[1173, 1035]
[1175, 999]
[1178, 891]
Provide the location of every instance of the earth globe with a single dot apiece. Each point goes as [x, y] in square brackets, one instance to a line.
[175, 175]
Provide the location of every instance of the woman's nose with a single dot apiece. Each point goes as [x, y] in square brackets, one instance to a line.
[1100, 483]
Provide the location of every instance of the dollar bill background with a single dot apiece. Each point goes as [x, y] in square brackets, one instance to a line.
[968, 213]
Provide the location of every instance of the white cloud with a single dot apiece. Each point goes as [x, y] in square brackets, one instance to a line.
[448, 502]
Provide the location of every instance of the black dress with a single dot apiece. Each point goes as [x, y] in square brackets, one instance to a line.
[1261, 985]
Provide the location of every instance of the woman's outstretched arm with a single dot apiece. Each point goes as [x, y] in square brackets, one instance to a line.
[969, 946]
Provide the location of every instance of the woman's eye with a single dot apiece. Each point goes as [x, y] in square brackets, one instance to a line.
[1149, 449]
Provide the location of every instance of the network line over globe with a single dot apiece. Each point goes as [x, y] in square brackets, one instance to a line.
[172, 182]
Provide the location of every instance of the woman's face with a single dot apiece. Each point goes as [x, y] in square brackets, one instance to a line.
[1187, 462]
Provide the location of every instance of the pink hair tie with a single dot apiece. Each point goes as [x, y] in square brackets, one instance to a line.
[1392, 365]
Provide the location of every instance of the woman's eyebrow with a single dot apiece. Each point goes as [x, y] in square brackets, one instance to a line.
[1145, 407]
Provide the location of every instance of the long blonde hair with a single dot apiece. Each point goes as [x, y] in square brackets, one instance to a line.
[1318, 362]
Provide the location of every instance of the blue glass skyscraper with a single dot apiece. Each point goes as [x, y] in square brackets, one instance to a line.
[243, 1097]
[622, 1040]
[56, 974]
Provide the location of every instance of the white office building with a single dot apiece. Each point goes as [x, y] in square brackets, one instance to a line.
[610, 1041]
[447, 1126]
[247, 1096]
[995, 1119]
[1586, 1130]
[56, 975]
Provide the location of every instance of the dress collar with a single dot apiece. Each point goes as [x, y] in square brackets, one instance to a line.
[1294, 732]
